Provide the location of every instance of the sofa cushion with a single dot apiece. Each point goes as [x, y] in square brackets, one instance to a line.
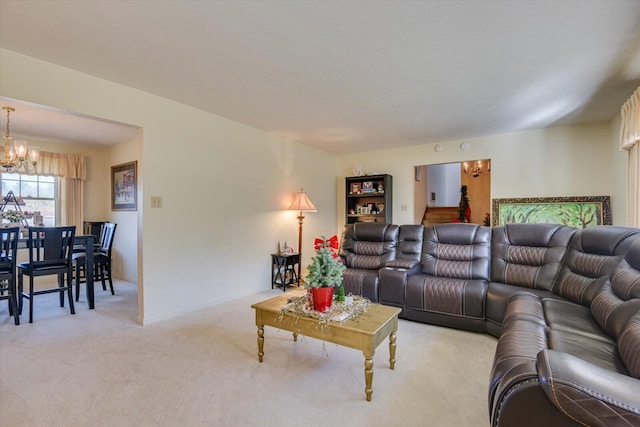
[410, 242]
[574, 318]
[629, 346]
[592, 256]
[612, 312]
[459, 251]
[446, 295]
[528, 255]
[368, 245]
[618, 301]
[596, 351]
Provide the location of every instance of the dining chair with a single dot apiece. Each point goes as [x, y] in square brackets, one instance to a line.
[101, 260]
[8, 251]
[50, 250]
[94, 228]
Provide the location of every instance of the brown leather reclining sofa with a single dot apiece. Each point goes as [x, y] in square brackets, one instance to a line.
[565, 304]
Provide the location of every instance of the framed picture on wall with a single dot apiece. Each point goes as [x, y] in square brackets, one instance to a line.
[124, 187]
[579, 212]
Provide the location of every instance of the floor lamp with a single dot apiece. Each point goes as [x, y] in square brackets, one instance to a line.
[301, 203]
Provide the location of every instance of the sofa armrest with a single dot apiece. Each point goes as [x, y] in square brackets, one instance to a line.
[586, 392]
[410, 265]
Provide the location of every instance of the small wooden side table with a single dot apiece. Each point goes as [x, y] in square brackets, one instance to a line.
[285, 270]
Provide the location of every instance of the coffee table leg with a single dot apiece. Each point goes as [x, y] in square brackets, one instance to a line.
[392, 350]
[368, 376]
[260, 343]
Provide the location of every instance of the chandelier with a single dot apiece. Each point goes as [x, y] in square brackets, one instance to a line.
[15, 158]
[477, 168]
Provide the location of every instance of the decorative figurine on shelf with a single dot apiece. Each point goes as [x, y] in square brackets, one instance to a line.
[358, 171]
[279, 249]
[380, 187]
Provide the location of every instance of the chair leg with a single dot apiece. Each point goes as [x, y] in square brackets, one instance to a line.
[77, 281]
[13, 305]
[19, 295]
[30, 299]
[61, 285]
[70, 291]
[108, 268]
[99, 269]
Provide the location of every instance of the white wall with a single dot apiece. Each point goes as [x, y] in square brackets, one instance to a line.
[559, 161]
[224, 187]
[127, 236]
[444, 181]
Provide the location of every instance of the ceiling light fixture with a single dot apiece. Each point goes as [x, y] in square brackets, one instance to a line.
[15, 158]
[476, 169]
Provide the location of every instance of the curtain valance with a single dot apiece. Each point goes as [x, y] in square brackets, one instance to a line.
[62, 165]
[630, 126]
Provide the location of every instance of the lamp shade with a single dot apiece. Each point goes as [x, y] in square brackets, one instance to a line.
[302, 203]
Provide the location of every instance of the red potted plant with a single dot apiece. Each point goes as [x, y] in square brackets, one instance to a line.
[325, 274]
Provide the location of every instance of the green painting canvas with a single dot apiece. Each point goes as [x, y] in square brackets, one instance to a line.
[579, 212]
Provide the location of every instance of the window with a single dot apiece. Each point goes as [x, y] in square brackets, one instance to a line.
[40, 194]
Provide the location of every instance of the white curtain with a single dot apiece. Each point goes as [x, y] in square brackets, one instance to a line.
[630, 141]
[72, 171]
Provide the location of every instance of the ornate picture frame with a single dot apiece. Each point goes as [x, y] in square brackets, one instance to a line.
[124, 187]
[577, 211]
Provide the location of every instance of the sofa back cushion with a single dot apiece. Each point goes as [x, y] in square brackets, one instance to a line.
[619, 300]
[410, 242]
[368, 245]
[457, 250]
[629, 345]
[592, 256]
[528, 255]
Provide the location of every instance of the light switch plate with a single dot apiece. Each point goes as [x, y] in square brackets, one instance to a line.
[156, 201]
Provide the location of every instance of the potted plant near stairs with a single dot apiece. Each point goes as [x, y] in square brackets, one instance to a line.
[325, 274]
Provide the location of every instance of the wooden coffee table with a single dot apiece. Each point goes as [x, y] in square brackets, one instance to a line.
[364, 333]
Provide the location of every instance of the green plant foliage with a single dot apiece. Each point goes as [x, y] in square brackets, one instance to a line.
[324, 270]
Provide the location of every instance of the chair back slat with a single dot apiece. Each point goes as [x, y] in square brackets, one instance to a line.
[93, 227]
[106, 240]
[8, 248]
[50, 245]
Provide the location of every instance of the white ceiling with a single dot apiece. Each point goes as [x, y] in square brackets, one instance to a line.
[49, 124]
[349, 76]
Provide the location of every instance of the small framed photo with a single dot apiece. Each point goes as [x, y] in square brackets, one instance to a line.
[124, 187]
[367, 185]
[355, 188]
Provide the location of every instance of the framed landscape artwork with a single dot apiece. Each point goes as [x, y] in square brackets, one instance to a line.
[579, 212]
[124, 186]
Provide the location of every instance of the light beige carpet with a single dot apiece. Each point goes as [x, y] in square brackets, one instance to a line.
[100, 368]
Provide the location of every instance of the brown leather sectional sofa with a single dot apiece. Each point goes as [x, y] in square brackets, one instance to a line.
[565, 304]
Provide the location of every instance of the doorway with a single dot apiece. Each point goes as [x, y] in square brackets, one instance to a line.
[437, 191]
